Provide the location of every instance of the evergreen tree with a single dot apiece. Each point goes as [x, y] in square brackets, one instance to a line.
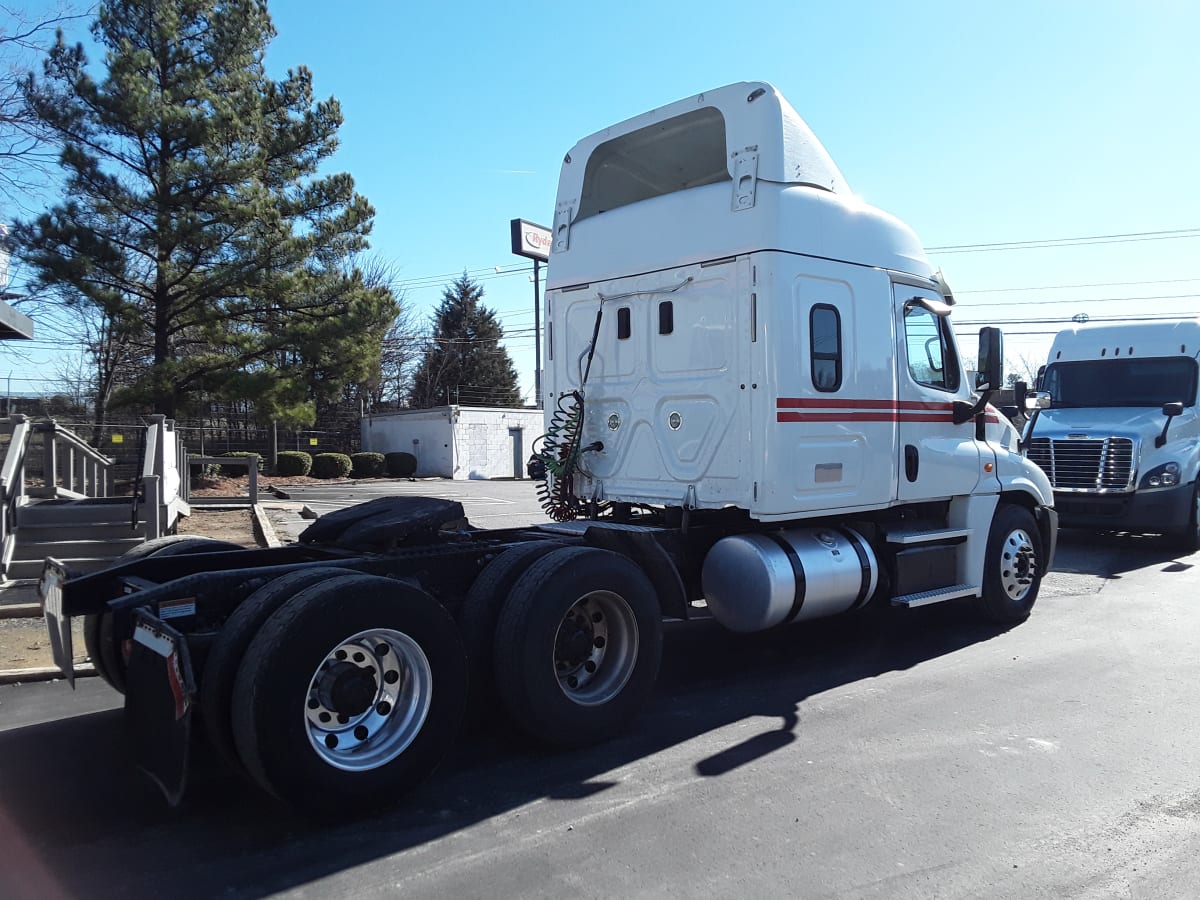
[464, 361]
[194, 220]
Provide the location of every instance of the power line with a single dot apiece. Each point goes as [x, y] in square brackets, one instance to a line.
[1130, 237]
[1062, 287]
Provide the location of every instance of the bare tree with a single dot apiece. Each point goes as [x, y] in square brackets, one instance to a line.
[26, 149]
[403, 343]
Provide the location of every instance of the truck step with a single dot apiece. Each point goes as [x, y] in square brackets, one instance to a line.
[910, 536]
[937, 595]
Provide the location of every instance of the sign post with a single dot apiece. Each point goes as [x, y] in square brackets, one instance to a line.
[533, 242]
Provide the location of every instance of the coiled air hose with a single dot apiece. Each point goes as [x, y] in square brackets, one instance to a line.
[557, 460]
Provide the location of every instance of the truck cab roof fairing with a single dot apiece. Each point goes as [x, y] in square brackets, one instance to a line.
[754, 115]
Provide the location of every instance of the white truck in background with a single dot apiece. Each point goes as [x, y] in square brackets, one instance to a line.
[1118, 432]
[757, 413]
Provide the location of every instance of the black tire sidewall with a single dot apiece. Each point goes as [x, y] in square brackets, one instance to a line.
[221, 668]
[481, 611]
[997, 605]
[524, 645]
[271, 687]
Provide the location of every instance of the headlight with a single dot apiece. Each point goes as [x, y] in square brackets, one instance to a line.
[1166, 475]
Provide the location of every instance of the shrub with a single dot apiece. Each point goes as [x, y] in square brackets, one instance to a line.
[293, 462]
[366, 465]
[330, 465]
[401, 464]
[205, 470]
[238, 471]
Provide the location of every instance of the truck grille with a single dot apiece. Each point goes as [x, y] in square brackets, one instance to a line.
[1085, 464]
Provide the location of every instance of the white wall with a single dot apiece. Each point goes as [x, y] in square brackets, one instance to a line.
[430, 428]
[457, 442]
[483, 441]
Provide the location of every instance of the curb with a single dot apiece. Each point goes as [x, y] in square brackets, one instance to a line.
[263, 527]
[43, 673]
[21, 611]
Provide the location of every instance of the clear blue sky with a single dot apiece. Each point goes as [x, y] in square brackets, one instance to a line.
[975, 123]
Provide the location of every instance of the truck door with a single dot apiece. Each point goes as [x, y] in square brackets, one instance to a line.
[938, 459]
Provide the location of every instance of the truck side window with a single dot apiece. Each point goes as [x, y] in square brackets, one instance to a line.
[825, 347]
[931, 357]
[623, 328]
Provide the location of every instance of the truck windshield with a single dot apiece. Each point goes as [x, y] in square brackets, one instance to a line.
[1122, 382]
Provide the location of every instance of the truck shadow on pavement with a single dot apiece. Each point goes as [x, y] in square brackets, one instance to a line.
[1110, 554]
[76, 819]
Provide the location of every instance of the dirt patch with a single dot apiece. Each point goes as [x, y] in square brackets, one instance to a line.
[233, 525]
[223, 486]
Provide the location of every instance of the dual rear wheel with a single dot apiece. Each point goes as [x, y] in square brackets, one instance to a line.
[333, 690]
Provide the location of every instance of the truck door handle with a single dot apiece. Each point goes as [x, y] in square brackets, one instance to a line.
[912, 462]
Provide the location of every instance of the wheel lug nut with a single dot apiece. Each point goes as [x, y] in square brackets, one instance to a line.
[590, 666]
[381, 650]
[342, 720]
[391, 676]
[598, 642]
[340, 654]
[314, 703]
[361, 732]
[383, 707]
[325, 717]
[359, 657]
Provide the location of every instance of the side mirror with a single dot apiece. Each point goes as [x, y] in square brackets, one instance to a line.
[1041, 376]
[1170, 410]
[990, 372]
[1038, 400]
[1020, 390]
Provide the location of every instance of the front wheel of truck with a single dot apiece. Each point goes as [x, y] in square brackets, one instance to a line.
[1188, 540]
[1013, 567]
[350, 694]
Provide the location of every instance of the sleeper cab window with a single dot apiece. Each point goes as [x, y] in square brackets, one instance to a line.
[825, 350]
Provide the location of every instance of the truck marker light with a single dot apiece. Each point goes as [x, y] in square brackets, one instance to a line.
[987, 467]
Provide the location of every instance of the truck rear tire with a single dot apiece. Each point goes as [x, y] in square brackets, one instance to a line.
[578, 646]
[1012, 571]
[351, 693]
[102, 647]
[478, 617]
[220, 670]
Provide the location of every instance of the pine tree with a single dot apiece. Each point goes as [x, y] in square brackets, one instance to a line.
[464, 361]
[194, 218]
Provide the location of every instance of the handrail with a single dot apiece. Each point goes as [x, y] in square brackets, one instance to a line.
[84, 471]
[12, 485]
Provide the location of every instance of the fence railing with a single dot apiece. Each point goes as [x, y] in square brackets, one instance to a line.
[14, 432]
[74, 470]
[71, 467]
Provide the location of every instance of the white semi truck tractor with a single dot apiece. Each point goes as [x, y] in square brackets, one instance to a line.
[757, 412]
[1116, 430]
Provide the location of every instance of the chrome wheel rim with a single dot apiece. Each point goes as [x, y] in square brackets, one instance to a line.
[596, 648]
[1018, 564]
[368, 699]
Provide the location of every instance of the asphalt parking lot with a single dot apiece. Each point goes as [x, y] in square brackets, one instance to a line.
[909, 754]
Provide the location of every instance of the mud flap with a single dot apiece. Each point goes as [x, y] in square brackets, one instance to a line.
[160, 694]
[58, 623]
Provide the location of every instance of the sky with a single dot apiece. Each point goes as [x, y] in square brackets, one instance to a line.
[1071, 126]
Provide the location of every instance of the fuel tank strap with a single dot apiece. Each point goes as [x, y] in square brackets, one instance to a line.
[863, 560]
[797, 571]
